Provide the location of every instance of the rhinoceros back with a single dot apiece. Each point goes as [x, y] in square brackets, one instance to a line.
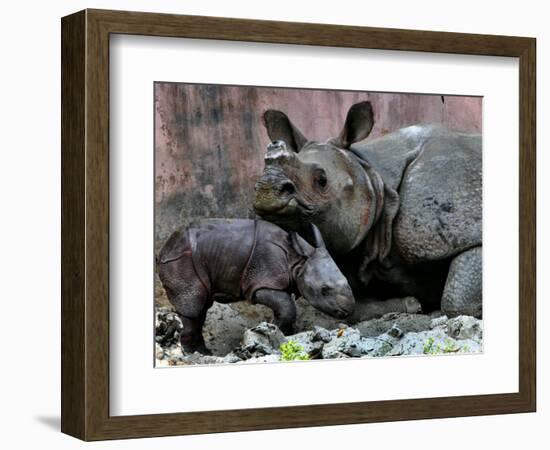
[236, 257]
[269, 264]
[221, 249]
[437, 174]
[440, 213]
[391, 154]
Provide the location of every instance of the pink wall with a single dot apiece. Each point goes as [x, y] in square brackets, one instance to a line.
[210, 142]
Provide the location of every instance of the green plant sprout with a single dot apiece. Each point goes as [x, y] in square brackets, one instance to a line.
[431, 348]
[292, 351]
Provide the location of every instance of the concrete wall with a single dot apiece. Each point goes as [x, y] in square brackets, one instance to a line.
[210, 141]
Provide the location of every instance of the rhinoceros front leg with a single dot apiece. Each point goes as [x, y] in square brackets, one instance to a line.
[284, 308]
[463, 289]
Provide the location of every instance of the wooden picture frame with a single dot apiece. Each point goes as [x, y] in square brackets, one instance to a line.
[85, 224]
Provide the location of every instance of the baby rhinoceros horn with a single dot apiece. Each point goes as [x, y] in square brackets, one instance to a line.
[318, 238]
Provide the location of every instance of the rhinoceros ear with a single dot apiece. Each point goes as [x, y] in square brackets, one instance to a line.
[174, 248]
[301, 246]
[359, 123]
[279, 127]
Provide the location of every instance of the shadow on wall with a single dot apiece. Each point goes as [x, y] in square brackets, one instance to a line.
[210, 141]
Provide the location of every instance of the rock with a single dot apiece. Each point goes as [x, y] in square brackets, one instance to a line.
[231, 358]
[433, 342]
[312, 342]
[199, 358]
[435, 314]
[367, 310]
[159, 351]
[321, 334]
[345, 343]
[225, 324]
[383, 344]
[416, 343]
[377, 346]
[264, 339]
[470, 346]
[173, 355]
[261, 359]
[316, 351]
[439, 322]
[223, 328]
[162, 363]
[395, 332]
[465, 327]
[405, 322]
[237, 335]
[305, 339]
[167, 327]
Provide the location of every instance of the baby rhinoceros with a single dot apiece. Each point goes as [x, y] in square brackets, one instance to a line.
[227, 260]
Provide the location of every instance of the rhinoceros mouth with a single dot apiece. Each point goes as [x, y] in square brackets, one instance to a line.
[279, 198]
[289, 207]
[271, 207]
[336, 312]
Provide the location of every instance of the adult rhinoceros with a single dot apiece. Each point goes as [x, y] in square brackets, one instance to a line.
[401, 214]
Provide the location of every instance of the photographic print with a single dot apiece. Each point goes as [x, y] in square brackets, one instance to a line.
[300, 224]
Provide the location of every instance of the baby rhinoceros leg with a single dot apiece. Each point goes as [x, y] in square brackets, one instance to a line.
[191, 336]
[463, 289]
[283, 306]
[190, 299]
[192, 303]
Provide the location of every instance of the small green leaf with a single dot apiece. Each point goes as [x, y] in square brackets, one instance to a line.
[292, 351]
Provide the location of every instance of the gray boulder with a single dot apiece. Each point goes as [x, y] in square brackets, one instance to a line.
[265, 336]
[438, 322]
[405, 322]
[345, 343]
[167, 327]
[225, 324]
[264, 339]
[465, 327]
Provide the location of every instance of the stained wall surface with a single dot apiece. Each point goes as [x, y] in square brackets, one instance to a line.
[210, 141]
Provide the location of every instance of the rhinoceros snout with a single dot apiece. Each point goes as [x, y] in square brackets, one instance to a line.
[273, 193]
[285, 187]
[275, 180]
[345, 304]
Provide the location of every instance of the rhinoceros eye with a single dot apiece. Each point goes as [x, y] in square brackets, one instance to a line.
[320, 178]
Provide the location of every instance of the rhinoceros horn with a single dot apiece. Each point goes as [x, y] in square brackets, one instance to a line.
[317, 238]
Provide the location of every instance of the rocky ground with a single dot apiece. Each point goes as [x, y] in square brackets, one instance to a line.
[242, 333]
